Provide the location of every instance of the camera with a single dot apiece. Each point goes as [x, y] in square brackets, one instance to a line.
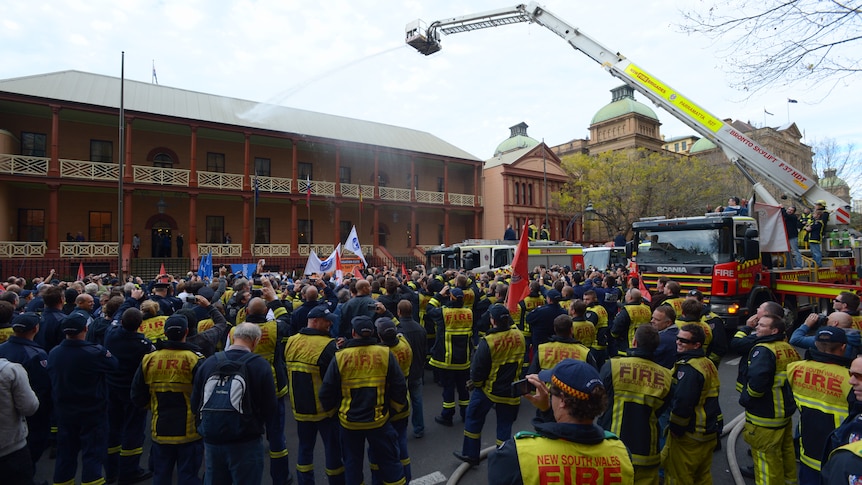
[821, 321]
[256, 293]
[191, 299]
[519, 388]
[256, 282]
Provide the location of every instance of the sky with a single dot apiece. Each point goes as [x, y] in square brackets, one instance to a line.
[348, 58]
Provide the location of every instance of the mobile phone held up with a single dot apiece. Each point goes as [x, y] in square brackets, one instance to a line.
[519, 388]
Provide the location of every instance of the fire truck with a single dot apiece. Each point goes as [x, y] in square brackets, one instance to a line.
[719, 255]
[479, 255]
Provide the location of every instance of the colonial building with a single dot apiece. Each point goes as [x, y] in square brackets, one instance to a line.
[243, 179]
[522, 182]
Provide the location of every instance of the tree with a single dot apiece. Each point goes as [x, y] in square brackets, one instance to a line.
[844, 159]
[624, 186]
[782, 41]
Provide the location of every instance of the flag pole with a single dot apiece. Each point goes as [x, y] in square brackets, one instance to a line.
[122, 163]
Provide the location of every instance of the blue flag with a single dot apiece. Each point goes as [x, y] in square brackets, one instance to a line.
[205, 270]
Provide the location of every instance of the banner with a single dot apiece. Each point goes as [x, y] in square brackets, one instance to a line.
[312, 266]
[770, 223]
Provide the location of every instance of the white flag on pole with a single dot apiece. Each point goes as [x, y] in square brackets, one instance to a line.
[352, 245]
[328, 264]
[313, 264]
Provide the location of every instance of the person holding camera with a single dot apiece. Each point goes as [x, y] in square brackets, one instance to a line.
[576, 396]
[815, 321]
[496, 365]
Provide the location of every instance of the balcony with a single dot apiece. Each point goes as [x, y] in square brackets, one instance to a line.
[16, 249]
[324, 250]
[89, 249]
[22, 165]
[272, 184]
[270, 250]
[390, 193]
[221, 250]
[428, 197]
[219, 180]
[77, 169]
[161, 176]
[110, 172]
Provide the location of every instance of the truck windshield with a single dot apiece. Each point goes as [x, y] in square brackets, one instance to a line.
[700, 246]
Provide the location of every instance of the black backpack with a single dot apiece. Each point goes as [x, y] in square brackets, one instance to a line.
[226, 414]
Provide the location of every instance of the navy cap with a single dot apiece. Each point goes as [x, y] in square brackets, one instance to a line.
[498, 312]
[457, 293]
[75, 323]
[574, 377]
[25, 293]
[176, 323]
[25, 322]
[554, 295]
[831, 334]
[321, 311]
[386, 328]
[363, 326]
[206, 292]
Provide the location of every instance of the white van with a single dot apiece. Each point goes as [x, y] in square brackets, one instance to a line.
[604, 258]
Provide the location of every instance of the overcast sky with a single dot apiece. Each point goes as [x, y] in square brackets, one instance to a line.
[348, 58]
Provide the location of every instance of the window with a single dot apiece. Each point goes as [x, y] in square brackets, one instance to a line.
[215, 162]
[684, 145]
[531, 195]
[303, 171]
[416, 182]
[517, 193]
[101, 151]
[262, 167]
[34, 144]
[306, 228]
[261, 230]
[215, 229]
[100, 226]
[163, 160]
[344, 228]
[440, 233]
[344, 175]
[676, 147]
[31, 225]
[440, 184]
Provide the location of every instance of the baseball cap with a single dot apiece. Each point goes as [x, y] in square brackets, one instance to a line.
[75, 323]
[498, 312]
[831, 334]
[176, 323]
[573, 377]
[457, 293]
[206, 292]
[554, 295]
[386, 328]
[695, 293]
[821, 202]
[25, 322]
[25, 293]
[320, 311]
[363, 326]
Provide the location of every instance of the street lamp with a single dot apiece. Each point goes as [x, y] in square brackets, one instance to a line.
[579, 215]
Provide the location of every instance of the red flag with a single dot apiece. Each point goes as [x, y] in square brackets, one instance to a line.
[162, 269]
[81, 274]
[357, 273]
[644, 292]
[520, 286]
[403, 269]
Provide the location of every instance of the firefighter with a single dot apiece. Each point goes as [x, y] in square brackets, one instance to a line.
[769, 404]
[495, 366]
[631, 316]
[451, 351]
[364, 382]
[695, 416]
[307, 356]
[637, 389]
[820, 386]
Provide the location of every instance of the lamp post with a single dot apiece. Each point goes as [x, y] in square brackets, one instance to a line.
[578, 216]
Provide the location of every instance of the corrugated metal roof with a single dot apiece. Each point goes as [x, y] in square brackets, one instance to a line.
[507, 158]
[100, 90]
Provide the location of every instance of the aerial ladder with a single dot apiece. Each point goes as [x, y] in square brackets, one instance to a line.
[744, 152]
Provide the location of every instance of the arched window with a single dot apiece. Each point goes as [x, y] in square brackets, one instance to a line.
[163, 160]
[517, 193]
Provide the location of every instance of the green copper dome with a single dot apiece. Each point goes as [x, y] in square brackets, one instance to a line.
[623, 102]
[702, 145]
[517, 139]
[831, 180]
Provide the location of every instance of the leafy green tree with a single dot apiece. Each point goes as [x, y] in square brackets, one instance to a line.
[624, 186]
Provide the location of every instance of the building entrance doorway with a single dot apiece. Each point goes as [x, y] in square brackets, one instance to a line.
[161, 240]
